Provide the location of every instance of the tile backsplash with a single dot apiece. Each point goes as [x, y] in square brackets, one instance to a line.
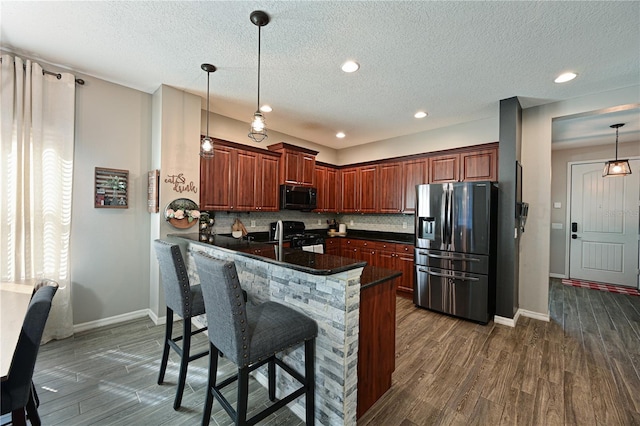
[365, 222]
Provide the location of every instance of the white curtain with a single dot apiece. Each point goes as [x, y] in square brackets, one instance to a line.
[36, 168]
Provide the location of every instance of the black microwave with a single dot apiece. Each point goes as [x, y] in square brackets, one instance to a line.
[298, 198]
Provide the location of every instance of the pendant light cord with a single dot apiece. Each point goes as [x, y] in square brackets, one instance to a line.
[617, 143]
[208, 79]
[259, 32]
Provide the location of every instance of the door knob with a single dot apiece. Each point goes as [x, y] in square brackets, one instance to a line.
[574, 236]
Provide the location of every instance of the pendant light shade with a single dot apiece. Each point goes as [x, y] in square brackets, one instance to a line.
[206, 144]
[258, 131]
[616, 167]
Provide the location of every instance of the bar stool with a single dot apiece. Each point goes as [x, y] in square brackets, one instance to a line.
[251, 336]
[184, 300]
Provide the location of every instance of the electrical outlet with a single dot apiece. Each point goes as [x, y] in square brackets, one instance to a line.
[319, 222]
[253, 224]
[350, 223]
[404, 225]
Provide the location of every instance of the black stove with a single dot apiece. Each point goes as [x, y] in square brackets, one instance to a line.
[294, 231]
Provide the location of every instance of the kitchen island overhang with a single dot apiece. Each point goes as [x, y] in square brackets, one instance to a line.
[324, 287]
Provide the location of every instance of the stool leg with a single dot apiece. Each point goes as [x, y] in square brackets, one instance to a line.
[184, 361]
[32, 409]
[309, 378]
[213, 372]
[243, 395]
[168, 330]
[271, 371]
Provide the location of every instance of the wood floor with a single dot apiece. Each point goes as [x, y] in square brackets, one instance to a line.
[581, 368]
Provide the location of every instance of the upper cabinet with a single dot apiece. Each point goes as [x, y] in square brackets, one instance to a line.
[358, 189]
[390, 192]
[238, 179]
[414, 172]
[327, 184]
[297, 165]
[479, 165]
[464, 166]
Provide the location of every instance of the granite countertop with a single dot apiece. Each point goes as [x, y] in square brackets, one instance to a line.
[372, 275]
[311, 263]
[388, 237]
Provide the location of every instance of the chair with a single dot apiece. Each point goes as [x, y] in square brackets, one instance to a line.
[251, 336]
[18, 390]
[184, 300]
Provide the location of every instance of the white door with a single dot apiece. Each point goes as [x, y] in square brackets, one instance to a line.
[604, 225]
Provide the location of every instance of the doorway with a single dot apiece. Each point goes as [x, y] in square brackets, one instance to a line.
[604, 224]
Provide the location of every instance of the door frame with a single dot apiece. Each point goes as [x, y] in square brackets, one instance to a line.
[567, 249]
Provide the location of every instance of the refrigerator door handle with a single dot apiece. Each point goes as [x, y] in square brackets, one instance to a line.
[464, 259]
[436, 274]
[443, 219]
[450, 218]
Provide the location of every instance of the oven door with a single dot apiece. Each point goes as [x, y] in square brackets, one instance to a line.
[456, 293]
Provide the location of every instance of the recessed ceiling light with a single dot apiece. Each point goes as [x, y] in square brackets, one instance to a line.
[567, 76]
[350, 66]
[266, 108]
[340, 135]
[420, 114]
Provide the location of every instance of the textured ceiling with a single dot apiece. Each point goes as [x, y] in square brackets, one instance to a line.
[455, 60]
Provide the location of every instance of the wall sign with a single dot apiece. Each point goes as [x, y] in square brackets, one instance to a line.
[153, 196]
[180, 184]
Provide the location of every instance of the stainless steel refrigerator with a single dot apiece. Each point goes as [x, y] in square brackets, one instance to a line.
[455, 254]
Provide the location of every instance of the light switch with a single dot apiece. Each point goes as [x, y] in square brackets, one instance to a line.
[557, 205]
[556, 225]
[253, 224]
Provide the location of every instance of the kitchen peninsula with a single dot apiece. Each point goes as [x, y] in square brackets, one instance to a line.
[353, 304]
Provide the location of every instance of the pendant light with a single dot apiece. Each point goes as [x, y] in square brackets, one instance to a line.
[616, 167]
[258, 131]
[206, 144]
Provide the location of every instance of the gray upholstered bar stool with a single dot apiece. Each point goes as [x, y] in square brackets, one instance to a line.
[251, 336]
[184, 300]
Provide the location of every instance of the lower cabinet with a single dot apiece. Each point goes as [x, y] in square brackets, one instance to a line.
[399, 257]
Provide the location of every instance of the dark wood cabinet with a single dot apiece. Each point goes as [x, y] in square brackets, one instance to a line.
[368, 189]
[465, 166]
[390, 184]
[414, 172]
[479, 165]
[297, 165]
[327, 185]
[244, 182]
[444, 168]
[399, 257]
[239, 179]
[218, 196]
[267, 196]
[332, 246]
[359, 186]
[405, 263]
[349, 190]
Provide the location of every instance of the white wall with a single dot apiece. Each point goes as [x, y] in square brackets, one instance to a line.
[109, 247]
[232, 130]
[536, 165]
[456, 136]
[175, 151]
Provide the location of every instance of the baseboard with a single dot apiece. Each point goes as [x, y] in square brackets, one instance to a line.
[535, 315]
[509, 322]
[118, 319]
[561, 276]
[158, 320]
